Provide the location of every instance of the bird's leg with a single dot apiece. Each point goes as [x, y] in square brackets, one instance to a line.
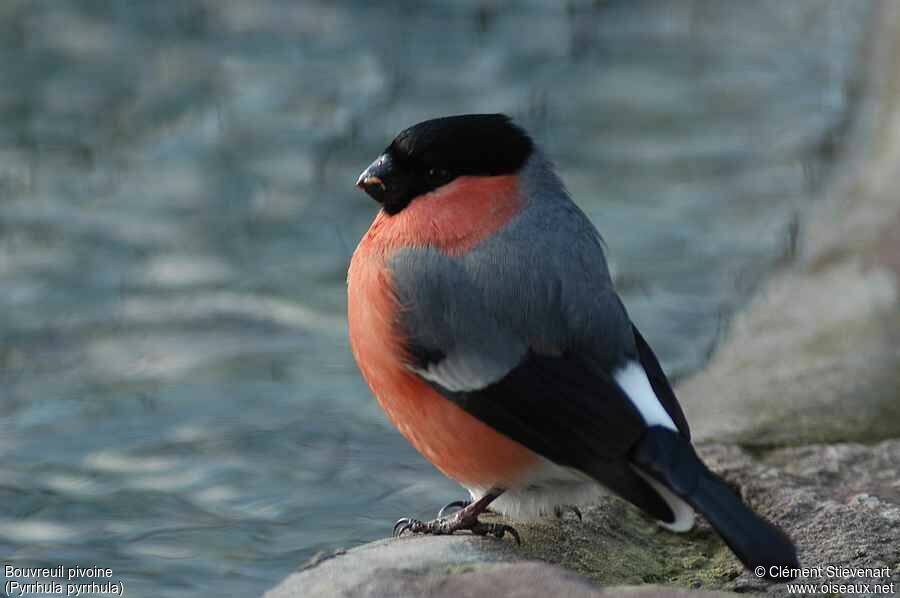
[560, 510]
[465, 519]
[456, 504]
[459, 504]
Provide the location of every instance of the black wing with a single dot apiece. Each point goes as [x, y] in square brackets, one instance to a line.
[571, 414]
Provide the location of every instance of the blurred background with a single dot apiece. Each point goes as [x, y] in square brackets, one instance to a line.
[178, 401]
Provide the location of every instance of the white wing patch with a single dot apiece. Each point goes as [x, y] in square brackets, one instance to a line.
[457, 373]
[633, 380]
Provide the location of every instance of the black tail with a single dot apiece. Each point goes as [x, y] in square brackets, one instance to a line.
[669, 458]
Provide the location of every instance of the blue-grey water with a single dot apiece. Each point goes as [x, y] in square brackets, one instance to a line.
[178, 401]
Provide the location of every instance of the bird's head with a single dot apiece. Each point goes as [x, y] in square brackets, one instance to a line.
[431, 154]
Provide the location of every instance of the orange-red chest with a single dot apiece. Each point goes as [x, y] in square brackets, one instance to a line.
[453, 220]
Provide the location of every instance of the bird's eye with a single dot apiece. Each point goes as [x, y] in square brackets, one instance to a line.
[438, 173]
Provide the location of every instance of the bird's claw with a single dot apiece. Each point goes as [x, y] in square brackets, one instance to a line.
[498, 530]
[403, 524]
[436, 527]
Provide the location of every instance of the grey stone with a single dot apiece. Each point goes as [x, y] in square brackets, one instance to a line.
[840, 503]
[400, 559]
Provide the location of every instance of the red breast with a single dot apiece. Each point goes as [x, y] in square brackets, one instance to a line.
[452, 219]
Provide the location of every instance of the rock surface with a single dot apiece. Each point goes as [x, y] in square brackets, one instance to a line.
[840, 503]
[448, 567]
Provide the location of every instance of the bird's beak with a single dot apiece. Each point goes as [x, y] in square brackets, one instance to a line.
[374, 179]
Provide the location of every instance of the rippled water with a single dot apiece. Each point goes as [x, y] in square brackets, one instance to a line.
[177, 213]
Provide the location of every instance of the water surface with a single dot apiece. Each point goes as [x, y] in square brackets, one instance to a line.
[177, 396]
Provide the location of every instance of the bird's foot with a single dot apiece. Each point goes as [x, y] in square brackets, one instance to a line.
[466, 519]
[460, 504]
[560, 510]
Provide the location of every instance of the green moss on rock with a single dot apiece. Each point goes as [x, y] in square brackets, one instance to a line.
[616, 544]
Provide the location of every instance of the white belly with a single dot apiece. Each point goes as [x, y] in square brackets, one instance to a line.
[547, 487]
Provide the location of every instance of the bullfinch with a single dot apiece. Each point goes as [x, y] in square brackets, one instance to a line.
[483, 317]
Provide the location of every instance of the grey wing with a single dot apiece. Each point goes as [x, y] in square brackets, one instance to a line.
[540, 284]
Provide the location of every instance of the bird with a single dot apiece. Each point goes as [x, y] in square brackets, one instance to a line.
[482, 315]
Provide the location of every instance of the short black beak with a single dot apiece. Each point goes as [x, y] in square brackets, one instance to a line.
[374, 179]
